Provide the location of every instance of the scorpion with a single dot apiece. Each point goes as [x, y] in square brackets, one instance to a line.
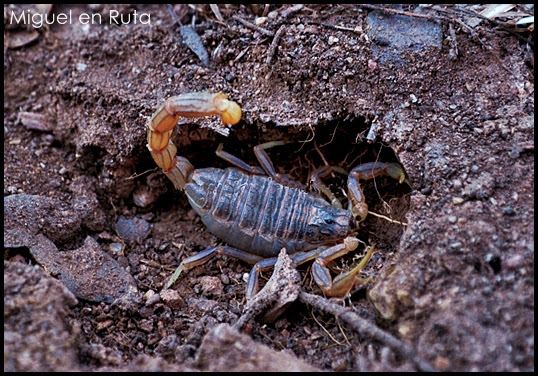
[257, 211]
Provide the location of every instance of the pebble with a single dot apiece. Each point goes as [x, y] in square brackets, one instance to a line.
[81, 67]
[132, 228]
[457, 200]
[172, 299]
[509, 211]
[426, 190]
[116, 249]
[211, 286]
[152, 299]
[143, 197]
[333, 40]
[260, 20]
[452, 219]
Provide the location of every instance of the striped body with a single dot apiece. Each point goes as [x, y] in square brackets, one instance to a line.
[256, 214]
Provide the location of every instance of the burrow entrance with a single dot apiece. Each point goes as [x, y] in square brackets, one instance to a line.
[338, 143]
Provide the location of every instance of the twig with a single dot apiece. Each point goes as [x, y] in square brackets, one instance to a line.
[266, 10]
[337, 27]
[274, 45]
[252, 26]
[403, 13]
[241, 54]
[364, 327]
[216, 11]
[289, 11]
[471, 13]
[387, 218]
[281, 290]
[328, 24]
[453, 53]
[325, 330]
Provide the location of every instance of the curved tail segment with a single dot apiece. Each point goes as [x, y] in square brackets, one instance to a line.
[162, 124]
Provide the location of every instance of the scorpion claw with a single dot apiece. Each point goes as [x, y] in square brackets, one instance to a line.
[368, 171]
[396, 171]
[343, 283]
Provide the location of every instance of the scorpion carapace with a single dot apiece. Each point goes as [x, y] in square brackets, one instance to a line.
[256, 211]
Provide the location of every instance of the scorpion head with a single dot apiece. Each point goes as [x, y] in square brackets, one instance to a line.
[328, 224]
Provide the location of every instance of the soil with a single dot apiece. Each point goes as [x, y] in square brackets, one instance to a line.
[93, 229]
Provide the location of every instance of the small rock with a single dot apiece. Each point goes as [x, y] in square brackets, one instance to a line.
[145, 325]
[457, 200]
[211, 286]
[260, 20]
[103, 325]
[372, 65]
[116, 249]
[332, 40]
[509, 211]
[151, 299]
[144, 196]
[135, 229]
[172, 299]
[35, 121]
[223, 346]
[167, 345]
[340, 364]
[81, 67]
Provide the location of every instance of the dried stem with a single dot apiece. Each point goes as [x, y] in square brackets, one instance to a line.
[252, 26]
[274, 44]
[366, 328]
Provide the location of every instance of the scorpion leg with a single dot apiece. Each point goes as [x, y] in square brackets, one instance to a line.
[206, 255]
[341, 285]
[232, 159]
[267, 165]
[265, 264]
[344, 282]
[318, 185]
[368, 171]
[264, 159]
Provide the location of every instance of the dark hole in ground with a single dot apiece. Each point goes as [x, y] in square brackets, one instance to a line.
[21, 254]
[495, 263]
[338, 143]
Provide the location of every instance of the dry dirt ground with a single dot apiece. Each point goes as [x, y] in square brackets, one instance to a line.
[93, 229]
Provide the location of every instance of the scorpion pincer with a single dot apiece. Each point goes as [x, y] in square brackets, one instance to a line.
[255, 210]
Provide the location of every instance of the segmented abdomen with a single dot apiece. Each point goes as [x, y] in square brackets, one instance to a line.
[252, 212]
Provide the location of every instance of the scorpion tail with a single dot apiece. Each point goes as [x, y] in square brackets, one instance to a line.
[164, 120]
